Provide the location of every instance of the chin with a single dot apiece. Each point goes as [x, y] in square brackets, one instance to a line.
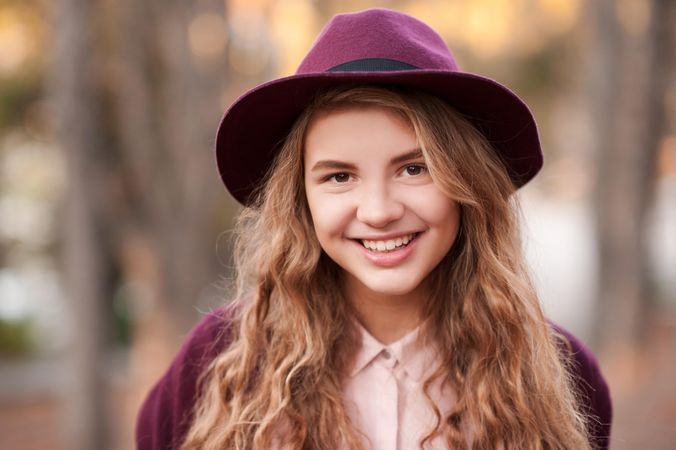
[391, 289]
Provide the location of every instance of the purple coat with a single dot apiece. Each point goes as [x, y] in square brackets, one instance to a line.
[166, 413]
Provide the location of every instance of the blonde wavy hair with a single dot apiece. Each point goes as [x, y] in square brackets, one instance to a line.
[278, 383]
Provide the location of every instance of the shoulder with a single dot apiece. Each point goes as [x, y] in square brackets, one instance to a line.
[592, 388]
[166, 412]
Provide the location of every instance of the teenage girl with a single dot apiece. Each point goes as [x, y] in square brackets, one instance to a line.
[384, 298]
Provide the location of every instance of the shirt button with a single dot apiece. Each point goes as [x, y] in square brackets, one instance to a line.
[386, 354]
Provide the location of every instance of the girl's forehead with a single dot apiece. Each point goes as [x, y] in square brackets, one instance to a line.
[359, 134]
[346, 120]
[333, 109]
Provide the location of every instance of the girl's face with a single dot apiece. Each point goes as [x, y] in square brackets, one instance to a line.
[376, 211]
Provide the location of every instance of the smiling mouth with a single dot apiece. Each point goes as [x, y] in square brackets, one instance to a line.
[389, 245]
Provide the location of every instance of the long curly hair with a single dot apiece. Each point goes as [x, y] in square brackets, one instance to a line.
[278, 383]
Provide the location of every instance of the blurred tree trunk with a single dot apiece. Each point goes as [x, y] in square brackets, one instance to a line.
[168, 100]
[73, 87]
[139, 101]
[167, 111]
[627, 61]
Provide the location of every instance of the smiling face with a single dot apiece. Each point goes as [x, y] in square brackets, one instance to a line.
[376, 211]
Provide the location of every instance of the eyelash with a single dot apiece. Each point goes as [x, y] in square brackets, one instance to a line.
[332, 177]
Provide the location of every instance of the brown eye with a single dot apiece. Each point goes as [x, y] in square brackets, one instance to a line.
[340, 177]
[414, 169]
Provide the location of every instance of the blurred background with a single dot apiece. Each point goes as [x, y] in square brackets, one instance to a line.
[115, 228]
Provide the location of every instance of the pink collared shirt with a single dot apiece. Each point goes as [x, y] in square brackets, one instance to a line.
[384, 393]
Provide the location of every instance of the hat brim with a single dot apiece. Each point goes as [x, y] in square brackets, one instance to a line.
[257, 123]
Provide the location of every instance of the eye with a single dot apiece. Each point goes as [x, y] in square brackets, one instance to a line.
[414, 170]
[340, 177]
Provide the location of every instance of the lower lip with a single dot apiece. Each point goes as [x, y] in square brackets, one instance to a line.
[391, 258]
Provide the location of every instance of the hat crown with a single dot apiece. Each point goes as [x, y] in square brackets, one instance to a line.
[377, 34]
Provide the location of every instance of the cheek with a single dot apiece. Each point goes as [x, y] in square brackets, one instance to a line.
[443, 217]
[330, 216]
[436, 209]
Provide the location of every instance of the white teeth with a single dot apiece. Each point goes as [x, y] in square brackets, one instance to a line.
[389, 245]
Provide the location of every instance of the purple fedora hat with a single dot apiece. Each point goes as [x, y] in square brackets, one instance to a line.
[376, 47]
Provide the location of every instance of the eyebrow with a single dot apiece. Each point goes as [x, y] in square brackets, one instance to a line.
[335, 164]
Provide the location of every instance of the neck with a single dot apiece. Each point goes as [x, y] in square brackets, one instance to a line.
[386, 317]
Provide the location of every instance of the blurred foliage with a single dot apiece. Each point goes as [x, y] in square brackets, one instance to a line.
[16, 338]
[122, 319]
[22, 60]
[17, 95]
[540, 72]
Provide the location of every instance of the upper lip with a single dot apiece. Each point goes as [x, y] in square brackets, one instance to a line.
[386, 237]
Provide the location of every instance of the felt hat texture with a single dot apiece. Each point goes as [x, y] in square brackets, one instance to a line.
[375, 47]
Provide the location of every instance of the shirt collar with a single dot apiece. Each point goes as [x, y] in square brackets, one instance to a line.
[413, 352]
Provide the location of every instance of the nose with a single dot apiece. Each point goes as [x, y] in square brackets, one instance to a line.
[378, 206]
